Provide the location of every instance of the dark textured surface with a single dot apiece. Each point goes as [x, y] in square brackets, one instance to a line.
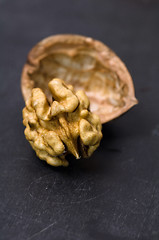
[115, 194]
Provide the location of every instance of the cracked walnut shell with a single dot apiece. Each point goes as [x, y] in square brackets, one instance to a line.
[86, 64]
[63, 126]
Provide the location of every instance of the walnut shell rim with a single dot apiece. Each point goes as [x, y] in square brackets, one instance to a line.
[109, 75]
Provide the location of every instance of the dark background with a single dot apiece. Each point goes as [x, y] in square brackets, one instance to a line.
[114, 195]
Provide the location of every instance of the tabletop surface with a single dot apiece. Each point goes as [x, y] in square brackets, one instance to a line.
[114, 195]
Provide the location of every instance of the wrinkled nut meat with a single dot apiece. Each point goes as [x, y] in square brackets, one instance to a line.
[86, 64]
[65, 125]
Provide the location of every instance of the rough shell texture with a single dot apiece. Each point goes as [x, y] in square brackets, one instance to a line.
[64, 126]
[85, 63]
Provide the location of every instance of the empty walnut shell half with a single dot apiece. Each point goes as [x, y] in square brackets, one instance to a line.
[86, 64]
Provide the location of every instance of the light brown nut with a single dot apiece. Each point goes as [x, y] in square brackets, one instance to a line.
[86, 64]
[63, 126]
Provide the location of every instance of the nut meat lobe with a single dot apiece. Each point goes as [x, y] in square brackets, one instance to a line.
[63, 126]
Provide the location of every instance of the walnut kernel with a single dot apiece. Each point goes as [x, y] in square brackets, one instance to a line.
[63, 126]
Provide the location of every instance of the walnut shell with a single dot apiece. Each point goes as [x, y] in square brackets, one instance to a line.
[86, 64]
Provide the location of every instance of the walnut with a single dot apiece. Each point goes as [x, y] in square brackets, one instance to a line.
[65, 125]
[58, 120]
[86, 64]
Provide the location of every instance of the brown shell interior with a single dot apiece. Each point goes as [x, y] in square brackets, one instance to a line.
[86, 64]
